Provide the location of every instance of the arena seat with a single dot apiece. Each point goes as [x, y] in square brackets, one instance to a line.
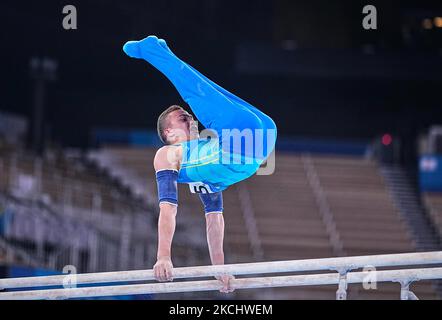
[433, 202]
[287, 216]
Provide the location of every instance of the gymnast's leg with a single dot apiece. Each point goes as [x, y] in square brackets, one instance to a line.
[215, 107]
[268, 122]
[269, 138]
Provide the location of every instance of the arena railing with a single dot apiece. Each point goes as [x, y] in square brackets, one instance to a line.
[343, 275]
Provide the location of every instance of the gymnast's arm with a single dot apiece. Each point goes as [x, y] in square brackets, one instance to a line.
[213, 207]
[215, 237]
[166, 164]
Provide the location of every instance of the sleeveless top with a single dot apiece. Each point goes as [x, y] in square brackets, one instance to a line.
[208, 168]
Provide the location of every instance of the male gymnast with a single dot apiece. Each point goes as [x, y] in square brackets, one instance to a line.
[210, 164]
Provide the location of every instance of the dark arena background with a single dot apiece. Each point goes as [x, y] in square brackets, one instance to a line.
[358, 159]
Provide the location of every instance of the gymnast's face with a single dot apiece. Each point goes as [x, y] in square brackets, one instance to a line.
[181, 127]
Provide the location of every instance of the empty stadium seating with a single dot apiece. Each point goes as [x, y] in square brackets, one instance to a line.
[60, 182]
[288, 220]
[54, 194]
[433, 202]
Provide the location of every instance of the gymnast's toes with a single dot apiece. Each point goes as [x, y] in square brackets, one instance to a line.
[163, 44]
[150, 44]
[132, 49]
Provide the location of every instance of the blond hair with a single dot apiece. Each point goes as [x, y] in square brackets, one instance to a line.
[161, 123]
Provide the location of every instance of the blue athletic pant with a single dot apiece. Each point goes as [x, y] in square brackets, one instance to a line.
[215, 107]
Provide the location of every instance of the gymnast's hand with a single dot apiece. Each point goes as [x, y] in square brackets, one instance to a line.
[227, 284]
[163, 269]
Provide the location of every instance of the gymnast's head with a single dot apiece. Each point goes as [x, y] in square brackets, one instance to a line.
[176, 125]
